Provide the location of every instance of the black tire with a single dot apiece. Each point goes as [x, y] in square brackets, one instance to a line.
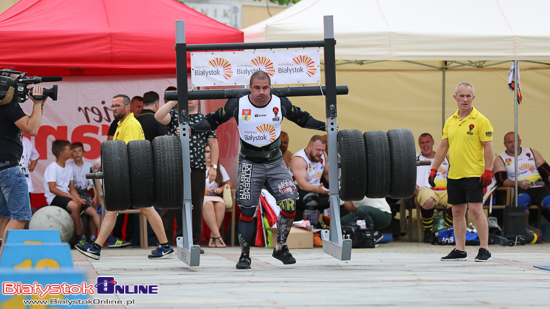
[168, 172]
[377, 148]
[142, 173]
[403, 163]
[116, 176]
[353, 180]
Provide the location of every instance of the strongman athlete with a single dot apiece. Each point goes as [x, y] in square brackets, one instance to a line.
[259, 116]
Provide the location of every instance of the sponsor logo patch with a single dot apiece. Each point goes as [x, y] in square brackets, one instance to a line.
[276, 112]
[247, 113]
[286, 186]
[471, 127]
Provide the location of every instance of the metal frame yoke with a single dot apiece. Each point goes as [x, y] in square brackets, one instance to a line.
[333, 243]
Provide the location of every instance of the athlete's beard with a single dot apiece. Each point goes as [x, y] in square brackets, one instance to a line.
[313, 158]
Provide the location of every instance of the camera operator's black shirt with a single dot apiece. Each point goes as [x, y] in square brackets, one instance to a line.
[11, 145]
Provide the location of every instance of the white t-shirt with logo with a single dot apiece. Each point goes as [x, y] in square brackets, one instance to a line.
[260, 126]
[527, 166]
[423, 172]
[61, 176]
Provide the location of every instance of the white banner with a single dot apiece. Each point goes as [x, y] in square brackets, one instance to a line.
[299, 66]
[82, 113]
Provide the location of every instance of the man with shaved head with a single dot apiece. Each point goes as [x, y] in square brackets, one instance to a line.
[533, 175]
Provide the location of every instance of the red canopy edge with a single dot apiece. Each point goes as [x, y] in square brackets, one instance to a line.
[102, 37]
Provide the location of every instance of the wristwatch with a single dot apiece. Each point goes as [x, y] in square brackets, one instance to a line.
[214, 166]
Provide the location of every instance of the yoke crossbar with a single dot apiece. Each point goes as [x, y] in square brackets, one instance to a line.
[240, 92]
[333, 243]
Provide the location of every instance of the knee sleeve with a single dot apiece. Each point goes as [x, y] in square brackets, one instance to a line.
[311, 201]
[247, 213]
[546, 202]
[288, 207]
[246, 228]
[524, 200]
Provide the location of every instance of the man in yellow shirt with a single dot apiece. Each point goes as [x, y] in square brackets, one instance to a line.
[467, 135]
[129, 129]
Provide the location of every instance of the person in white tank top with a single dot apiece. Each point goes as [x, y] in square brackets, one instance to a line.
[533, 175]
[426, 196]
[307, 167]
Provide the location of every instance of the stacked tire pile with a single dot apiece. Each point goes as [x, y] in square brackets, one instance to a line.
[376, 164]
[140, 174]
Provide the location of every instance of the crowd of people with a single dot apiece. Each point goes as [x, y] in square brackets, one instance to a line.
[460, 169]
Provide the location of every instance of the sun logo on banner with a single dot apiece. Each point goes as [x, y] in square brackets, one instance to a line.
[265, 63]
[224, 65]
[269, 129]
[308, 62]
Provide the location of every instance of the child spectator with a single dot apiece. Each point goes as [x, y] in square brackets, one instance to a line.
[59, 186]
[82, 185]
[28, 160]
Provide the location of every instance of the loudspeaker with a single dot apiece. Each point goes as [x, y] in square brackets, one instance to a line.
[514, 221]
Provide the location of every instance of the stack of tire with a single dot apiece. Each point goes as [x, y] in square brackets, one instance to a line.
[376, 164]
[140, 174]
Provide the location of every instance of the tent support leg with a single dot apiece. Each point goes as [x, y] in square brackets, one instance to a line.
[187, 252]
[444, 70]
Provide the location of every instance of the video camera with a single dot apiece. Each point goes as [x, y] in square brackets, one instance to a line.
[18, 86]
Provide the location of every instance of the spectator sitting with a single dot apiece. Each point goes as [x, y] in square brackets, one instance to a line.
[307, 167]
[59, 187]
[214, 207]
[533, 177]
[287, 154]
[426, 196]
[82, 185]
[375, 211]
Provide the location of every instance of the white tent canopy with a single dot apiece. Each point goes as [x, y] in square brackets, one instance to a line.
[418, 30]
[453, 41]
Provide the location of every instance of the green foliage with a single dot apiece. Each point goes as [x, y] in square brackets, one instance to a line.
[282, 2]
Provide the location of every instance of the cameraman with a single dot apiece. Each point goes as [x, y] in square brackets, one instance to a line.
[15, 206]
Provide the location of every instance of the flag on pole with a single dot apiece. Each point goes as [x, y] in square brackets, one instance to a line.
[512, 82]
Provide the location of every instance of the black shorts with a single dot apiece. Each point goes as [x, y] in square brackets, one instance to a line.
[464, 190]
[62, 201]
[536, 194]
